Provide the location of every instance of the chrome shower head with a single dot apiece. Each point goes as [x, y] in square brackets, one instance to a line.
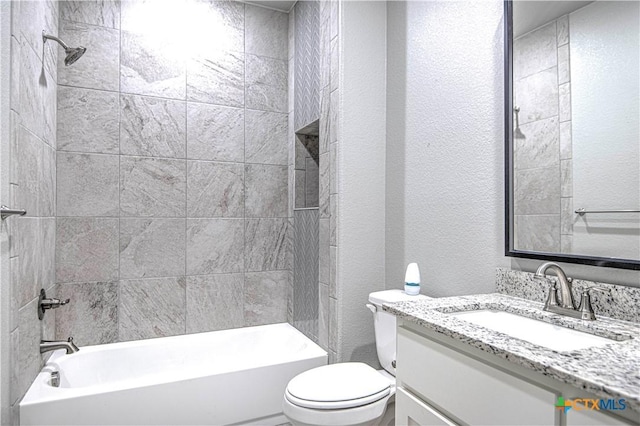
[73, 53]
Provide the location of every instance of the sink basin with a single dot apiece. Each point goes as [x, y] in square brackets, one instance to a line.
[540, 333]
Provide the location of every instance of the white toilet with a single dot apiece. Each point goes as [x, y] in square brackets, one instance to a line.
[351, 393]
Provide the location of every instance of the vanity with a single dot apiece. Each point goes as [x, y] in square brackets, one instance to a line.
[454, 370]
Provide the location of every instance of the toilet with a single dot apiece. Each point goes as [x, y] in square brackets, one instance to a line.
[351, 393]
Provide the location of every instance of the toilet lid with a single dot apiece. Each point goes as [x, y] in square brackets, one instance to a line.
[343, 385]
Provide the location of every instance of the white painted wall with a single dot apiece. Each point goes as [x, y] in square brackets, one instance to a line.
[361, 185]
[444, 170]
[605, 90]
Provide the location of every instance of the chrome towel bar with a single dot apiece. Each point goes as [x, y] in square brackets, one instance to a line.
[584, 211]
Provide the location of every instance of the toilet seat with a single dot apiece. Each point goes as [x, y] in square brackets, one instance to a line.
[338, 386]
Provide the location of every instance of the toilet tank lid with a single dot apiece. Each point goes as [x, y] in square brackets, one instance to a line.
[392, 296]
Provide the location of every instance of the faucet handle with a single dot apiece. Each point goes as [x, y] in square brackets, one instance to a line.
[586, 310]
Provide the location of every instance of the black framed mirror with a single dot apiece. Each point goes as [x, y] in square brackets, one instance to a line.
[572, 137]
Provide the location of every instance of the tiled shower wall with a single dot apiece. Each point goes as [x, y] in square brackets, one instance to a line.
[172, 209]
[328, 90]
[542, 143]
[32, 184]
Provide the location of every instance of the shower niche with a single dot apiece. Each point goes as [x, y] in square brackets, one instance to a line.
[306, 171]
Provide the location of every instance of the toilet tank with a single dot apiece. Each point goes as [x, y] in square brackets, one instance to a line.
[385, 324]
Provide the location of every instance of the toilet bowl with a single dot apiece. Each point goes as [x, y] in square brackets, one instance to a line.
[351, 393]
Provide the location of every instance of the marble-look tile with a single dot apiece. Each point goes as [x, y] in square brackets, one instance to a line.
[47, 255]
[215, 246]
[28, 346]
[266, 32]
[333, 324]
[291, 189]
[151, 66]
[92, 316]
[266, 84]
[267, 244]
[50, 50]
[566, 243]
[152, 247]
[537, 95]
[335, 64]
[215, 132]
[564, 101]
[87, 184]
[312, 184]
[564, 67]
[266, 190]
[215, 189]
[535, 51]
[335, 18]
[14, 368]
[152, 187]
[333, 116]
[291, 34]
[563, 30]
[15, 65]
[333, 271]
[537, 233]
[325, 120]
[220, 23]
[27, 238]
[28, 159]
[103, 13]
[14, 270]
[334, 171]
[300, 189]
[99, 66]
[86, 249]
[333, 220]
[151, 308]
[323, 254]
[31, 20]
[49, 108]
[566, 146]
[216, 77]
[566, 178]
[215, 302]
[266, 138]
[323, 186]
[47, 188]
[537, 191]
[265, 297]
[566, 216]
[88, 120]
[323, 316]
[168, 17]
[31, 91]
[152, 127]
[291, 71]
[48, 323]
[537, 144]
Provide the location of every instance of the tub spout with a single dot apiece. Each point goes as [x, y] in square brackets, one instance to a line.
[52, 345]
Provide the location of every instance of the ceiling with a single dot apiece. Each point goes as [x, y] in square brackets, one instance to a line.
[529, 15]
[281, 5]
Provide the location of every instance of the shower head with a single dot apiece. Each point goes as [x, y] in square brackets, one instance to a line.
[73, 53]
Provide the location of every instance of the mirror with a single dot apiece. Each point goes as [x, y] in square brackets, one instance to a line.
[572, 120]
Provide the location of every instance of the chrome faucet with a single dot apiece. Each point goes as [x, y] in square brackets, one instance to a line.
[52, 345]
[566, 305]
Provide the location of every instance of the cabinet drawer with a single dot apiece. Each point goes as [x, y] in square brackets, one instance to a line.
[466, 389]
[412, 411]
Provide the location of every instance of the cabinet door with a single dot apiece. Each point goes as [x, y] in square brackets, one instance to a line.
[472, 391]
[412, 411]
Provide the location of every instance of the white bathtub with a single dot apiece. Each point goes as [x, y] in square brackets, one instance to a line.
[222, 377]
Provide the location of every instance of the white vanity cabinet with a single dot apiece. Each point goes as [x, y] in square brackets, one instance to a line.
[442, 381]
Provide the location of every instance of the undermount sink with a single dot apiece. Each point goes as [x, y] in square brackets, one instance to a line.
[540, 333]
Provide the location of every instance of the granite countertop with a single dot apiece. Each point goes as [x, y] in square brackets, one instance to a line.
[609, 371]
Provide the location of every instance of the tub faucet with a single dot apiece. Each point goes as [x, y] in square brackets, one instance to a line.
[566, 298]
[52, 345]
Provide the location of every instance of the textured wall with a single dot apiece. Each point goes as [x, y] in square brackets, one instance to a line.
[445, 145]
[32, 186]
[543, 181]
[307, 63]
[172, 169]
